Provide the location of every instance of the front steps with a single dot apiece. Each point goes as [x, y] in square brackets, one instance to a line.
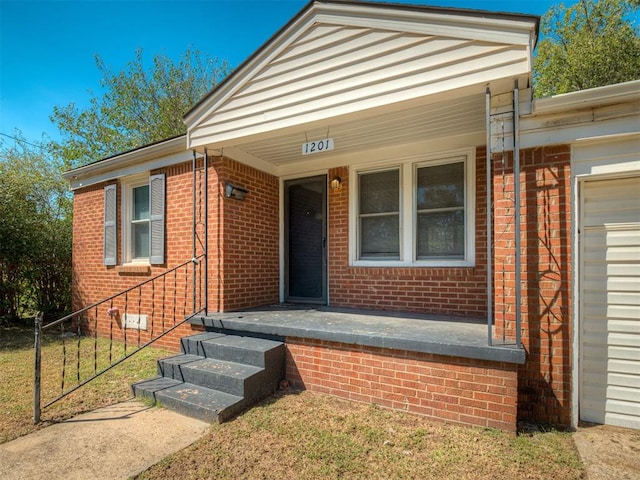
[216, 376]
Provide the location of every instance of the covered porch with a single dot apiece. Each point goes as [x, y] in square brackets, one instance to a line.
[436, 366]
[413, 332]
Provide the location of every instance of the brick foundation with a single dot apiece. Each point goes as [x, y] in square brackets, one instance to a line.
[458, 390]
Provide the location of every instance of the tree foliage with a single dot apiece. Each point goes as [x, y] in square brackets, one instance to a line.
[35, 232]
[590, 44]
[139, 106]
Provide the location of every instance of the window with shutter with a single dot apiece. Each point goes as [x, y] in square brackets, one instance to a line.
[143, 220]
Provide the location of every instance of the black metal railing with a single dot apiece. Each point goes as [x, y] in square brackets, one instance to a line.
[102, 335]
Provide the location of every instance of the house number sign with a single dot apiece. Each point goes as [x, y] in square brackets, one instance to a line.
[317, 146]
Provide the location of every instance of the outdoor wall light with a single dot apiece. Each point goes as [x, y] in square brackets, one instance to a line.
[335, 183]
[232, 191]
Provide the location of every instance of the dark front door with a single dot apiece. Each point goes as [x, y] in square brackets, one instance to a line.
[305, 240]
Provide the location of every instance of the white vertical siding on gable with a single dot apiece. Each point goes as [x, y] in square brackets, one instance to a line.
[331, 70]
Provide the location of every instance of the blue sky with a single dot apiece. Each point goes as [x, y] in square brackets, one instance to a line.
[47, 48]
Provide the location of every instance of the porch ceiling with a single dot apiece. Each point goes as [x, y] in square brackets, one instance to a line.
[440, 119]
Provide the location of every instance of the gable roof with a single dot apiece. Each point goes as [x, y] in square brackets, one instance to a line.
[337, 58]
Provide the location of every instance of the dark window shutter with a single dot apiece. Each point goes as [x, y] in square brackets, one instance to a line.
[110, 251]
[156, 218]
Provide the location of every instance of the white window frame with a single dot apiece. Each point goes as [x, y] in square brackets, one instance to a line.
[128, 185]
[400, 214]
[408, 202]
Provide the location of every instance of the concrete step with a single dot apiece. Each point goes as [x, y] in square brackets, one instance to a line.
[230, 377]
[217, 376]
[235, 348]
[189, 399]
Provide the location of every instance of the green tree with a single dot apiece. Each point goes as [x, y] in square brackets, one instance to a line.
[35, 231]
[139, 106]
[590, 44]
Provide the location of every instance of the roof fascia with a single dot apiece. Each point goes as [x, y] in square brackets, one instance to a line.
[608, 94]
[139, 155]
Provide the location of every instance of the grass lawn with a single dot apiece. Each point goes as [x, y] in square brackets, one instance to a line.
[307, 435]
[294, 434]
[16, 378]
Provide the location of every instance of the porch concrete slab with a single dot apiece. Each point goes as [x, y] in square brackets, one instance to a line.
[110, 443]
[436, 334]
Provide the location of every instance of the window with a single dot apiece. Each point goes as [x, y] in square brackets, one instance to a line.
[142, 214]
[440, 212]
[417, 213]
[379, 215]
[139, 225]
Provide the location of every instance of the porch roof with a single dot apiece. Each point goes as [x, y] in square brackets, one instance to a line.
[367, 75]
[414, 332]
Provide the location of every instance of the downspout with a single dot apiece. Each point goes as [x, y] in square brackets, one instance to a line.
[194, 226]
[489, 223]
[516, 196]
[206, 232]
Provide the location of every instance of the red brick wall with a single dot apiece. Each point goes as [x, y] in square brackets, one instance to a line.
[250, 238]
[470, 392]
[545, 379]
[93, 282]
[460, 291]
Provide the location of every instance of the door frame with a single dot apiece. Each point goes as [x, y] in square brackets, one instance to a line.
[284, 253]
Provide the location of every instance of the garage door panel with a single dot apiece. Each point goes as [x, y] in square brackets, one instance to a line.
[622, 394]
[610, 302]
[602, 237]
[622, 313]
[624, 340]
[618, 420]
[622, 366]
[620, 379]
[616, 283]
[624, 298]
[622, 254]
[620, 352]
[625, 327]
[621, 406]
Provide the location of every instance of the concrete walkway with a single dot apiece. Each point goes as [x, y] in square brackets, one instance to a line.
[114, 442]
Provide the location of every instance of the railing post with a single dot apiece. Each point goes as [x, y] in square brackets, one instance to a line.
[37, 367]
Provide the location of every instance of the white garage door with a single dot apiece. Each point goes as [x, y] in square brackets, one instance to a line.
[610, 302]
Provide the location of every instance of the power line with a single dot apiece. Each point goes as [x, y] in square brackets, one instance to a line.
[20, 140]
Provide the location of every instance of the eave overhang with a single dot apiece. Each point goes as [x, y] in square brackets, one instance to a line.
[145, 158]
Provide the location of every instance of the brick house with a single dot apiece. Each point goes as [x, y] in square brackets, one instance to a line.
[352, 186]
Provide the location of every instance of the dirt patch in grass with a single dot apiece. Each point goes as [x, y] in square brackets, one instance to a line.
[308, 435]
[16, 377]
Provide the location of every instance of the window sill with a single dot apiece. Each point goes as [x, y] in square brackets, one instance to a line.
[134, 269]
[418, 264]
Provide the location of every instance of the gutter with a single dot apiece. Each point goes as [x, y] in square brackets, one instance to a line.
[607, 95]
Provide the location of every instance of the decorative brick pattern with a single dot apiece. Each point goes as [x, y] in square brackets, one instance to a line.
[464, 391]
